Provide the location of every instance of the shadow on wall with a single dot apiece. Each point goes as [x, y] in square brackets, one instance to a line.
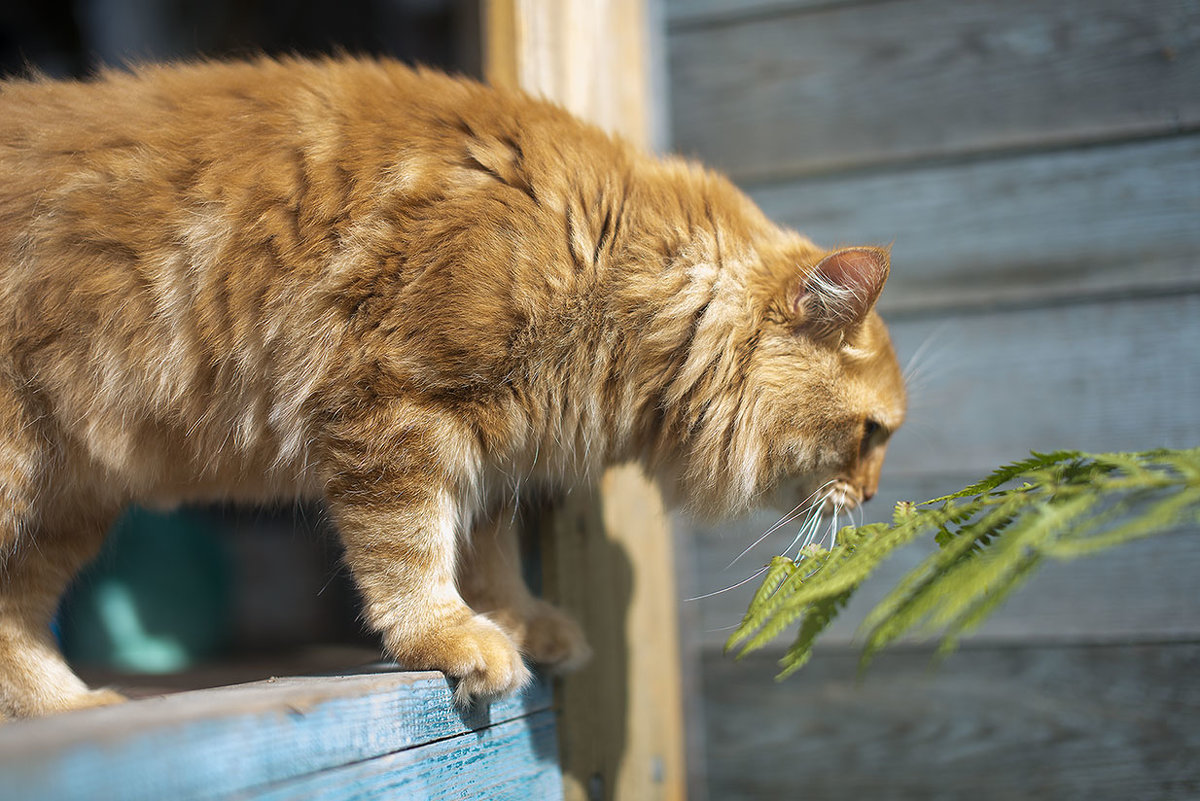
[576, 553]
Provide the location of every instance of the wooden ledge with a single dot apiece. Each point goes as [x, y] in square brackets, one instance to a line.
[386, 734]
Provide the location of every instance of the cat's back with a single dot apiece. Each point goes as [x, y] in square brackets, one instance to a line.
[111, 180]
[172, 238]
[173, 183]
[212, 104]
[208, 130]
[135, 158]
[165, 234]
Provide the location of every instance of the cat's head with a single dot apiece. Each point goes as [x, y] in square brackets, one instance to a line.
[789, 387]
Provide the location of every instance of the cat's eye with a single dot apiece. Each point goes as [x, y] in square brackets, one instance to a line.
[873, 433]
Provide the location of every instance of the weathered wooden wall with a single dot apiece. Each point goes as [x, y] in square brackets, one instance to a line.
[1037, 166]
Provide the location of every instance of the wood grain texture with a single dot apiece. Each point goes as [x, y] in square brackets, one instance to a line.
[1066, 602]
[692, 13]
[505, 762]
[855, 84]
[1096, 724]
[233, 740]
[590, 57]
[622, 727]
[1103, 221]
[1104, 376]
[608, 556]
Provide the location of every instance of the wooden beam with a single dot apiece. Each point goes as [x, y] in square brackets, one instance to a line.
[607, 554]
[376, 735]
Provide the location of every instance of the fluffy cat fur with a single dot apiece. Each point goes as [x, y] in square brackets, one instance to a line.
[410, 295]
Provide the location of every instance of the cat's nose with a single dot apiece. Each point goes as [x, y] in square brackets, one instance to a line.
[868, 493]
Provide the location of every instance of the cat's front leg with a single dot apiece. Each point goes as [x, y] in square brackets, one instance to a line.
[398, 514]
[489, 577]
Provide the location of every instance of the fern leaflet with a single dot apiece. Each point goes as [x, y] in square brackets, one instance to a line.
[991, 537]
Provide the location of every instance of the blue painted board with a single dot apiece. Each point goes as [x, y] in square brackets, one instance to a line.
[228, 741]
[511, 761]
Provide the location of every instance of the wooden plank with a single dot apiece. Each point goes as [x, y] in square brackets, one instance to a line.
[511, 761]
[849, 85]
[214, 743]
[1143, 591]
[1102, 221]
[608, 556]
[1102, 723]
[682, 14]
[1112, 375]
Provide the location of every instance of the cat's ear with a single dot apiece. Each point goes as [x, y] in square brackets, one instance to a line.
[836, 294]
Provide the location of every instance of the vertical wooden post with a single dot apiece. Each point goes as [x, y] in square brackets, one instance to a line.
[607, 553]
[590, 56]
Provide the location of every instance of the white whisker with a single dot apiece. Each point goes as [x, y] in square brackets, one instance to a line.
[811, 522]
[790, 517]
[813, 534]
[787, 518]
[758, 573]
[833, 527]
[915, 362]
[810, 528]
[730, 627]
[825, 529]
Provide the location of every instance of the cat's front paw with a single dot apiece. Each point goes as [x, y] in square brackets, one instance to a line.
[55, 702]
[555, 640]
[100, 697]
[547, 635]
[476, 652]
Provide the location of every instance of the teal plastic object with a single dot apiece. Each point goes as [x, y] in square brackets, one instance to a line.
[156, 600]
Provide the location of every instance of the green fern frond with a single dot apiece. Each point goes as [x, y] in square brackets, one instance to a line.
[1006, 473]
[816, 619]
[985, 604]
[991, 537]
[920, 591]
[778, 612]
[780, 569]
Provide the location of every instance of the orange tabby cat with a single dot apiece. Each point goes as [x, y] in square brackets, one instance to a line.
[407, 294]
